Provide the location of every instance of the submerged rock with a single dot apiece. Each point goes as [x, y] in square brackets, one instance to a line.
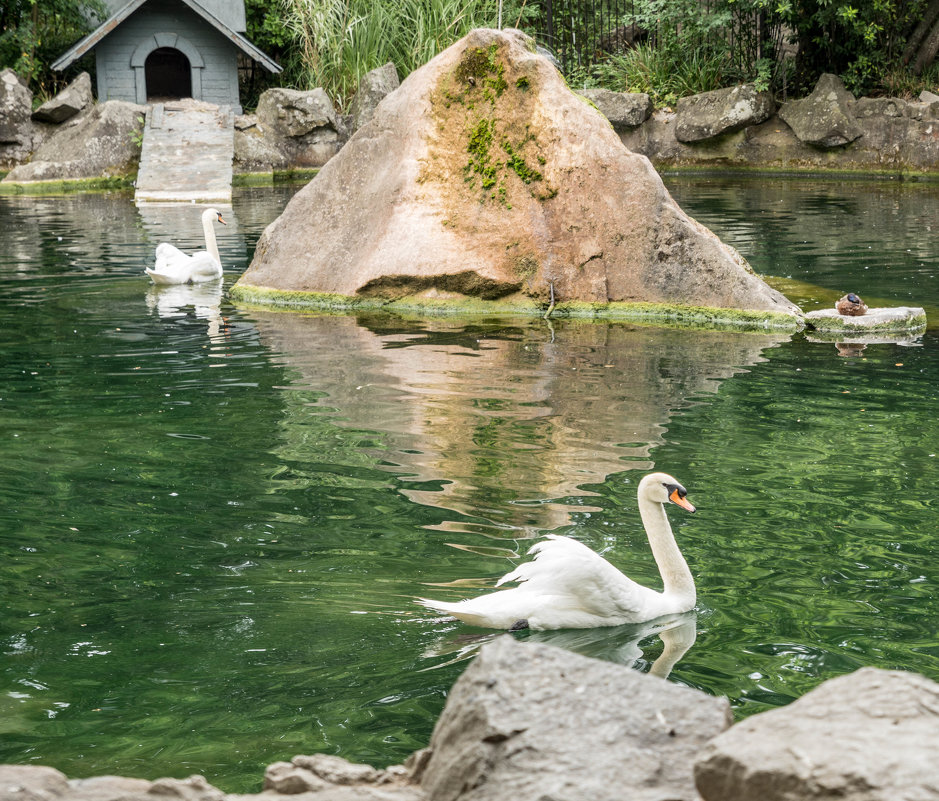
[483, 175]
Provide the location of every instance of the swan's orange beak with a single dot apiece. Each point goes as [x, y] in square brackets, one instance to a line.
[221, 220]
[679, 501]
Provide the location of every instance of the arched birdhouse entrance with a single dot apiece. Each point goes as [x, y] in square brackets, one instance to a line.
[168, 75]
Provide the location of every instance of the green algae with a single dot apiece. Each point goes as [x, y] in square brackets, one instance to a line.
[660, 314]
[66, 185]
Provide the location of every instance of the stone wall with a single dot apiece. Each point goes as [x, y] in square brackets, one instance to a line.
[735, 128]
[829, 130]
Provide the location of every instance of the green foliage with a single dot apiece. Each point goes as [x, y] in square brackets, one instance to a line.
[685, 46]
[663, 72]
[33, 34]
[338, 41]
[860, 40]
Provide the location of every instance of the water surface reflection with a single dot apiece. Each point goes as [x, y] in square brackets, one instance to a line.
[513, 420]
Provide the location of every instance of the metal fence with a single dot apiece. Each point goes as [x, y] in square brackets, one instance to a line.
[579, 32]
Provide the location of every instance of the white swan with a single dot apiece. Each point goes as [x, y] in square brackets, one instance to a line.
[172, 266]
[567, 585]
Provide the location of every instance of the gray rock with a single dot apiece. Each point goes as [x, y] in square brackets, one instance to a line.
[31, 782]
[290, 130]
[372, 89]
[624, 110]
[868, 736]
[255, 152]
[880, 320]
[531, 721]
[893, 107]
[103, 142]
[18, 134]
[289, 112]
[928, 97]
[324, 777]
[826, 117]
[711, 114]
[74, 98]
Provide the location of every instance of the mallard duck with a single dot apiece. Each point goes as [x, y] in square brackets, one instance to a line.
[567, 585]
[172, 266]
[851, 305]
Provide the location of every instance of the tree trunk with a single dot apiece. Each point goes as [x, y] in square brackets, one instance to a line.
[919, 42]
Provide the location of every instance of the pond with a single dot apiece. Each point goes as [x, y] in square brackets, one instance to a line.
[214, 520]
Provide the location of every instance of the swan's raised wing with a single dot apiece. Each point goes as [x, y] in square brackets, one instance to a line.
[564, 568]
[168, 256]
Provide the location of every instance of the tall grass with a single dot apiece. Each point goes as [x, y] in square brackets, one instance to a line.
[341, 40]
[664, 73]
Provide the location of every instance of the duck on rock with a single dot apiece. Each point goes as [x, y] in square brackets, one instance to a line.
[851, 305]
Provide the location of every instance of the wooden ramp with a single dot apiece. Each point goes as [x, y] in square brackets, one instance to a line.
[187, 153]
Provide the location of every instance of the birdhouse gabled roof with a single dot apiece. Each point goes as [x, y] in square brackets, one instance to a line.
[112, 22]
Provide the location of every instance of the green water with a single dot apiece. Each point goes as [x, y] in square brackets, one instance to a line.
[213, 520]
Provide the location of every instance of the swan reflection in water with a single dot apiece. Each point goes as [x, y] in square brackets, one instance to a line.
[205, 300]
[619, 644]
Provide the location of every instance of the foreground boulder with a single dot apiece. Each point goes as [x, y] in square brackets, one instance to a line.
[529, 721]
[869, 736]
[483, 175]
[103, 142]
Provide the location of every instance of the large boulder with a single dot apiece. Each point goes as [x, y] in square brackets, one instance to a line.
[17, 131]
[483, 175]
[531, 721]
[372, 89]
[711, 114]
[103, 142]
[826, 117]
[624, 110]
[74, 98]
[868, 736]
[291, 129]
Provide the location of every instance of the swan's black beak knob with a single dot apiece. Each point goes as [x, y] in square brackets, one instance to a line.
[677, 496]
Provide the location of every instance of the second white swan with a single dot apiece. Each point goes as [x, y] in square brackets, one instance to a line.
[172, 266]
[567, 585]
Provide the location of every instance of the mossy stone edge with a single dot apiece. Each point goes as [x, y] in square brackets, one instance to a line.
[673, 315]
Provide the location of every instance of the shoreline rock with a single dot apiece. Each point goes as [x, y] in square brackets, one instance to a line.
[529, 721]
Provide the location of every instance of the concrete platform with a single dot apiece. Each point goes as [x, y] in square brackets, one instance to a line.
[187, 153]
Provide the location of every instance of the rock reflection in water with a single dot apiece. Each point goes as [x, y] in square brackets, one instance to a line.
[511, 423]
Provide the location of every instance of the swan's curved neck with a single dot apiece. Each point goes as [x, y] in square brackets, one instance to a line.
[676, 577]
[211, 245]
